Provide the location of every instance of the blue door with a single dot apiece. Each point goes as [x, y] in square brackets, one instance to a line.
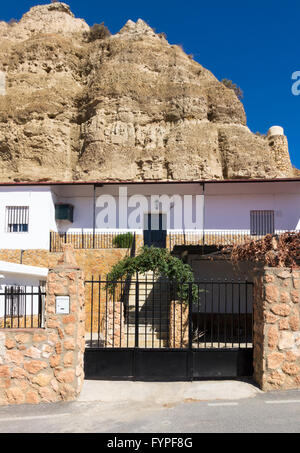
[155, 233]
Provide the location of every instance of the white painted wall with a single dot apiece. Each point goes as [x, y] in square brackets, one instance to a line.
[41, 217]
[82, 199]
[228, 206]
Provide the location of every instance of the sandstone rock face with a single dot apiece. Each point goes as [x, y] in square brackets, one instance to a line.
[127, 107]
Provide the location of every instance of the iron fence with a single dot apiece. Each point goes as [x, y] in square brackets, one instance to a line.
[156, 313]
[88, 240]
[22, 307]
[214, 237]
[106, 240]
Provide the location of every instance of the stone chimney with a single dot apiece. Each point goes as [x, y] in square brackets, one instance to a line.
[280, 150]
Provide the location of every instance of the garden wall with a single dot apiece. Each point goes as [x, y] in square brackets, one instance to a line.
[46, 365]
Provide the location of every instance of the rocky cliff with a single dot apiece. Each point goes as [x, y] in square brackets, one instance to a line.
[126, 107]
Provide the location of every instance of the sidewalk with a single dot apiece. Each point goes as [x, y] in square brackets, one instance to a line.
[156, 407]
[166, 392]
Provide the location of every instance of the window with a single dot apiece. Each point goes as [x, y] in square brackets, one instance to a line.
[17, 219]
[261, 223]
[14, 301]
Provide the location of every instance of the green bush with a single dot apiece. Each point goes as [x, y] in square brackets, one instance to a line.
[123, 241]
[97, 31]
[162, 263]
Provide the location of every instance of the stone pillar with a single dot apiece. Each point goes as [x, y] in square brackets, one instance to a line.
[67, 280]
[114, 325]
[46, 364]
[277, 329]
[179, 325]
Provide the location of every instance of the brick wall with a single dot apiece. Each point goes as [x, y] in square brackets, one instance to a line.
[277, 329]
[46, 365]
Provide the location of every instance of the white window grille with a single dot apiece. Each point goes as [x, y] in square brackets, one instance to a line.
[17, 219]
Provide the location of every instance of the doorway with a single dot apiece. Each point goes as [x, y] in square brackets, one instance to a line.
[155, 232]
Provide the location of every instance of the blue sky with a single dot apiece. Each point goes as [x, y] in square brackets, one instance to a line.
[254, 43]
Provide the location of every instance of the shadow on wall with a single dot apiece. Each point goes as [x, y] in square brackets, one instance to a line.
[220, 269]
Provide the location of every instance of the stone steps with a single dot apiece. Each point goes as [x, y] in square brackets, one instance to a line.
[146, 343]
[146, 329]
[153, 316]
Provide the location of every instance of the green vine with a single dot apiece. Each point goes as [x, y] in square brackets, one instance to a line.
[161, 263]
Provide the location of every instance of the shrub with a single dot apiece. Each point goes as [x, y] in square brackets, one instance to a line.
[12, 21]
[272, 250]
[97, 31]
[123, 241]
[162, 35]
[233, 86]
[259, 134]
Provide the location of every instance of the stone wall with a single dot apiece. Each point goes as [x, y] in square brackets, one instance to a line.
[46, 365]
[277, 329]
[92, 262]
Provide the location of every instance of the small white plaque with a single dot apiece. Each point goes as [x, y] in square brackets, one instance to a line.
[62, 305]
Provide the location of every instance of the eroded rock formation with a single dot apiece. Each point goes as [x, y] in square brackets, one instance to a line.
[127, 107]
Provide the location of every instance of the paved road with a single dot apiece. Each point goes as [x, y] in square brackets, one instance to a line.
[275, 412]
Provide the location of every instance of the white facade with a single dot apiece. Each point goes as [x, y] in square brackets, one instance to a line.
[228, 206]
[40, 202]
[28, 280]
[222, 207]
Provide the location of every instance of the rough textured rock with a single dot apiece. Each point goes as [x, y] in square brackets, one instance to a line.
[130, 106]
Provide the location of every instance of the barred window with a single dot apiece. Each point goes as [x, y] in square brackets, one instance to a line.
[15, 301]
[17, 219]
[262, 223]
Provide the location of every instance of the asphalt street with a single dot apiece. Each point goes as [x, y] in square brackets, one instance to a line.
[272, 412]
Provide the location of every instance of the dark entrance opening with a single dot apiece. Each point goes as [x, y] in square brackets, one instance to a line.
[155, 233]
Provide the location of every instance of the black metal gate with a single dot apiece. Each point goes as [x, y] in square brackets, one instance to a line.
[155, 329]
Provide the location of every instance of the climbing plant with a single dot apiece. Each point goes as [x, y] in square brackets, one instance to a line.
[161, 263]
